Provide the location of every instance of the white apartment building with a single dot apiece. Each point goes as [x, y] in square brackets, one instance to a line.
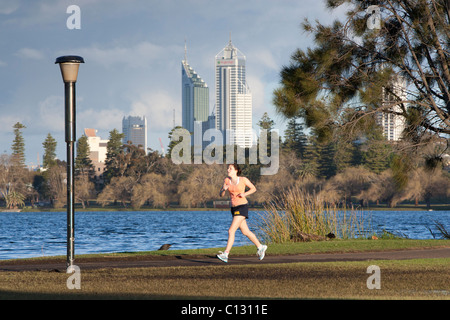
[97, 147]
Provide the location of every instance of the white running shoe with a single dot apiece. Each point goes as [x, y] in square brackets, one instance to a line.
[223, 256]
[261, 252]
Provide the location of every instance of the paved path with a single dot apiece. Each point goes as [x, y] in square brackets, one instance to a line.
[186, 260]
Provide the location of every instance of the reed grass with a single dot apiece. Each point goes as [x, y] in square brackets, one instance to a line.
[297, 212]
[441, 228]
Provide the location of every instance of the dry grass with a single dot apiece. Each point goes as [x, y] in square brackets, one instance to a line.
[297, 212]
[411, 279]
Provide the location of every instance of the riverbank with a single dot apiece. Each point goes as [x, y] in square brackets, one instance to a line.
[95, 207]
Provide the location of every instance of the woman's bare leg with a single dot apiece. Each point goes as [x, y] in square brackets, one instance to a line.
[246, 232]
[235, 224]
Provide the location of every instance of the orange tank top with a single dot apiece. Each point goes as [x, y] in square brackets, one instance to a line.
[236, 189]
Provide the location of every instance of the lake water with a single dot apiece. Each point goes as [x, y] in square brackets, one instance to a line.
[35, 234]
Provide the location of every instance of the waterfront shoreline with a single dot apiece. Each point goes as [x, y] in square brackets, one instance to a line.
[401, 207]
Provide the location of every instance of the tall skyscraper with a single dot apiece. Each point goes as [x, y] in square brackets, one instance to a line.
[233, 97]
[135, 131]
[392, 123]
[195, 96]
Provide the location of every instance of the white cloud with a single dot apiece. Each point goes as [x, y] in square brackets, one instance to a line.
[257, 88]
[51, 114]
[141, 54]
[157, 107]
[8, 6]
[7, 122]
[103, 120]
[264, 58]
[29, 53]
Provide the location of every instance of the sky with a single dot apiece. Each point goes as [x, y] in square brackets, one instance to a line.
[133, 51]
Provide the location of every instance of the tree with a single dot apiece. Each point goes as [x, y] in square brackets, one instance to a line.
[18, 147]
[119, 189]
[376, 152]
[83, 164]
[266, 138]
[339, 85]
[377, 156]
[133, 162]
[139, 163]
[17, 177]
[266, 122]
[56, 185]
[13, 199]
[84, 189]
[326, 160]
[294, 137]
[173, 143]
[425, 184]
[311, 154]
[271, 186]
[351, 182]
[153, 188]
[113, 148]
[347, 154]
[383, 188]
[201, 185]
[49, 151]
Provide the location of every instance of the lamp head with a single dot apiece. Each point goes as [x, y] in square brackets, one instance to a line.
[69, 67]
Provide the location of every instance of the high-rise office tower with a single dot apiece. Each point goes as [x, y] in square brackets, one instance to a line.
[392, 123]
[195, 96]
[233, 97]
[135, 131]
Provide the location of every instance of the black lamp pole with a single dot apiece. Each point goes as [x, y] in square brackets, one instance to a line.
[69, 70]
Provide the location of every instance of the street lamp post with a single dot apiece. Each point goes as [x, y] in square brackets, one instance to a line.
[69, 70]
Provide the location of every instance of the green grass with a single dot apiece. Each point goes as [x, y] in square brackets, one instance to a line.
[403, 279]
[412, 279]
[336, 245]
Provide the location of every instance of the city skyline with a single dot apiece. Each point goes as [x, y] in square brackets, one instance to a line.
[132, 52]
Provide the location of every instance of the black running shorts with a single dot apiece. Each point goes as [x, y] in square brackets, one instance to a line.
[241, 210]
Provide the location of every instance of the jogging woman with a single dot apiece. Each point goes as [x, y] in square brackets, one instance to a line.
[235, 184]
